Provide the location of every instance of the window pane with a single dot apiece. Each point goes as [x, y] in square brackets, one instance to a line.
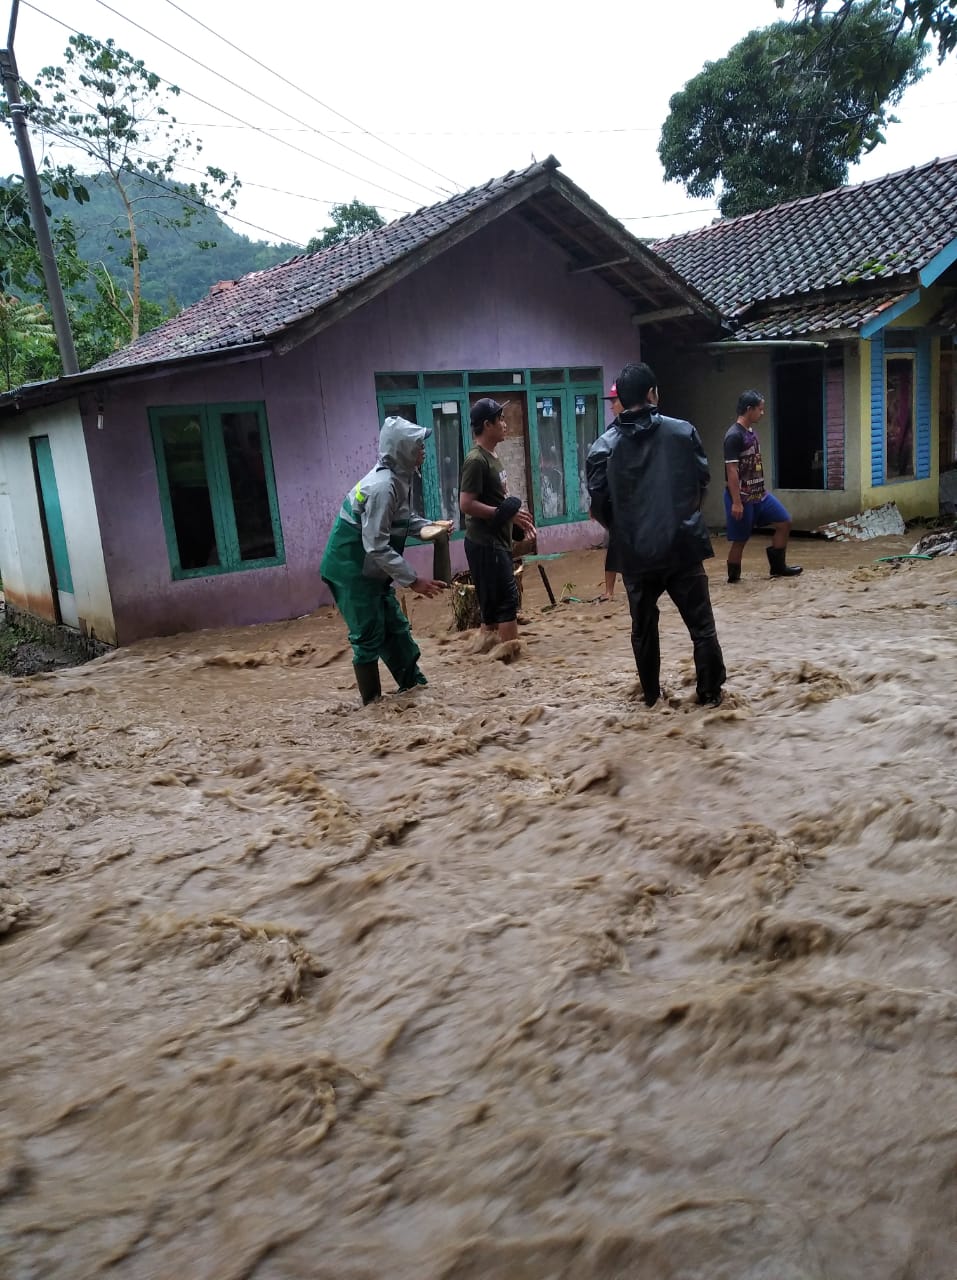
[443, 380]
[182, 439]
[396, 382]
[899, 408]
[494, 378]
[585, 375]
[447, 434]
[548, 414]
[548, 375]
[242, 439]
[587, 431]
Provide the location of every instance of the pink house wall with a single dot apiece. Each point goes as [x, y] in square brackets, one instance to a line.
[503, 298]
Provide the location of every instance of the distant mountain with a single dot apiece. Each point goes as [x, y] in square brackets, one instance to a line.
[176, 272]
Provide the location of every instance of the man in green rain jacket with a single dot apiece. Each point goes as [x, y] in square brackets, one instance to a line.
[364, 558]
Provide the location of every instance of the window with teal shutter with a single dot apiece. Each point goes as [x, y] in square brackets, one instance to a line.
[217, 489]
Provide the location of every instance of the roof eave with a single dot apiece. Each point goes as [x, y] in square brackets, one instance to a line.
[511, 200]
[300, 331]
[36, 394]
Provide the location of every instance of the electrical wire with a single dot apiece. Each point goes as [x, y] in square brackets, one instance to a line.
[256, 98]
[246, 123]
[220, 213]
[279, 191]
[306, 93]
[678, 213]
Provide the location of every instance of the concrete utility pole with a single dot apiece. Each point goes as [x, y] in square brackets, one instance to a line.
[11, 82]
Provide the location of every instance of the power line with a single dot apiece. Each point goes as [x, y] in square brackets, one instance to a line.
[530, 132]
[279, 191]
[678, 213]
[256, 98]
[199, 204]
[307, 94]
[246, 123]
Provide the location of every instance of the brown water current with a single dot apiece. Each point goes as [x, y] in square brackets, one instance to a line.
[510, 977]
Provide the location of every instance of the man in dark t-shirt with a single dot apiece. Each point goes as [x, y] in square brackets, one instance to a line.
[747, 503]
[489, 514]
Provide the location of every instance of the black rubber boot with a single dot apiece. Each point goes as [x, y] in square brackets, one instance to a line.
[778, 568]
[367, 678]
[734, 572]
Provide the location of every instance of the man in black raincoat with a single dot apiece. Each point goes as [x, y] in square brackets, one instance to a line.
[647, 476]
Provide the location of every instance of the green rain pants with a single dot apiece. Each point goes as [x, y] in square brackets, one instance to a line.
[377, 626]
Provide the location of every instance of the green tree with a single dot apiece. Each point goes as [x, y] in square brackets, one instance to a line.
[99, 308]
[27, 341]
[766, 128]
[102, 325]
[920, 18]
[20, 266]
[348, 221]
[107, 105]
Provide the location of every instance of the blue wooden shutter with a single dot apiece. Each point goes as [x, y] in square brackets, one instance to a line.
[877, 409]
[923, 432]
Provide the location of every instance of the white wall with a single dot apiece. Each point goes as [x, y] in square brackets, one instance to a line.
[23, 562]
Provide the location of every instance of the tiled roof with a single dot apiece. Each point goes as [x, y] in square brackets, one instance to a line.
[264, 303]
[878, 230]
[820, 316]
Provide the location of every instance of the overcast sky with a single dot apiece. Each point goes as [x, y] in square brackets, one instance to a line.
[438, 97]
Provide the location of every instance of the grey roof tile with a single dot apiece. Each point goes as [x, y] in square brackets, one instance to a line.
[265, 303]
[816, 316]
[884, 229]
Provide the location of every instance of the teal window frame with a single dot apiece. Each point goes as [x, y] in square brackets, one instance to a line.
[461, 390]
[566, 394]
[220, 488]
[389, 402]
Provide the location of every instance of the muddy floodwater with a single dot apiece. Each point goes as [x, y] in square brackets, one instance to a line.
[510, 978]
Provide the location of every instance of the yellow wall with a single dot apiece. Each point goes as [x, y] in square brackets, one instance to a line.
[703, 386]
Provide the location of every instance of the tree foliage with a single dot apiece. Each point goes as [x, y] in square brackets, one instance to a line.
[763, 126]
[920, 18]
[106, 104]
[96, 283]
[348, 221]
[27, 341]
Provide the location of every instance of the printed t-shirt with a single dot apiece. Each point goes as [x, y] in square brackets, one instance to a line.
[743, 447]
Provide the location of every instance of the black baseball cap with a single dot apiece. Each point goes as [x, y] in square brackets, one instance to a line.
[485, 410]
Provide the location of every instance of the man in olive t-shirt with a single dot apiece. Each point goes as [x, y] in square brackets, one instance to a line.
[489, 514]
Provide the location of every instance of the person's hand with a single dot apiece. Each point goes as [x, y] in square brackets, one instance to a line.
[524, 521]
[427, 586]
[737, 510]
